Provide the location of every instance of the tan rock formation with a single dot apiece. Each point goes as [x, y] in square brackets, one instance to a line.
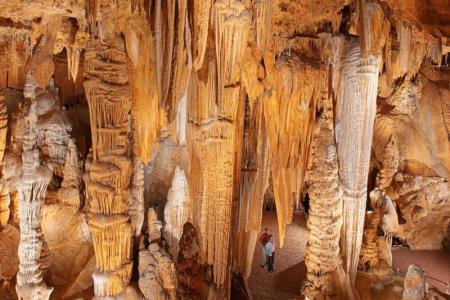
[414, 284]
[325, 214]
[108, 94]
[177, 211]
[157, 278]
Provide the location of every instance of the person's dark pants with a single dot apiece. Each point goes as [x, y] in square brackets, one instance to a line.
[270, 262]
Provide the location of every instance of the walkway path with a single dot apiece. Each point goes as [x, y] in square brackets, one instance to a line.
[290, 270]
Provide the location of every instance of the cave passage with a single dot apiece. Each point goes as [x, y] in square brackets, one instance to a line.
[289, 261]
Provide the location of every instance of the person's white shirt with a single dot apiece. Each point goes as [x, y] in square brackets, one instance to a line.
[269, 248]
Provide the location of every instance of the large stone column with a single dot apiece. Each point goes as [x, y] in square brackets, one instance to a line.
[354, 128]
[109, 98]
[31, 188]
[322, 257]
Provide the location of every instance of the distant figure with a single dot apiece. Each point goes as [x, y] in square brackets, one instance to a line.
[263, 239]
[269, 250]
[306, 205]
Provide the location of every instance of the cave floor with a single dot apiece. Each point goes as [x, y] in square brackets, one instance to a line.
[290, 270]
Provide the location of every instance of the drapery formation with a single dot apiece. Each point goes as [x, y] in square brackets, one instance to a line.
[214, 97]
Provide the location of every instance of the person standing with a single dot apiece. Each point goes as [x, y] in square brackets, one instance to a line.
[269, 250]
[263, 239]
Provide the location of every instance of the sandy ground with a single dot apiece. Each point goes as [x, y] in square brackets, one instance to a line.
[290, 270]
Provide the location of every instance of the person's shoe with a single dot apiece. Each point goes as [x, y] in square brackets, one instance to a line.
[271, 271]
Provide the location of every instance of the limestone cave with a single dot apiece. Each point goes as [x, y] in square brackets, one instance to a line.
[224, 149]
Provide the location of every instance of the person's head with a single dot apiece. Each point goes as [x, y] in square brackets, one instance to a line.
[266, 229]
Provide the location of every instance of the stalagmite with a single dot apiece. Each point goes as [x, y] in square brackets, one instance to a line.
[69, 193]
[354, 139]
[108, 94]
[322, 255]
[32, 186]
[188, 264]
[177, 211]
[136, 197]
[153, 226]
[414, 284]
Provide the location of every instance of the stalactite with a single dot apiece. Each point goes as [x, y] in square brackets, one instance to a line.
[32, 186]
[144, 111]
[71, 92]
[232, 21]
[109, 97]
[263, 10]
[182, 62]
[354, 135]
[289, 114]
[254, 183]
[200, 20]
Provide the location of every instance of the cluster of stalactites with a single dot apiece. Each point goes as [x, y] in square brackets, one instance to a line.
[289, 116]
[109, 97]
[212, 111]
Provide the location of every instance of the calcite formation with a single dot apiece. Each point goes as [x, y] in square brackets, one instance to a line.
[145, 139]
[414, 284]
[108, 94]
[32, 186]
[177, 211]
[325, 214]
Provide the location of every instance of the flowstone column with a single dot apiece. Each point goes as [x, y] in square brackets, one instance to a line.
[31, 188]
[109, 98]
[354, 128]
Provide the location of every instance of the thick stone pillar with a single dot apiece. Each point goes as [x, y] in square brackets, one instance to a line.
[109, 97]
